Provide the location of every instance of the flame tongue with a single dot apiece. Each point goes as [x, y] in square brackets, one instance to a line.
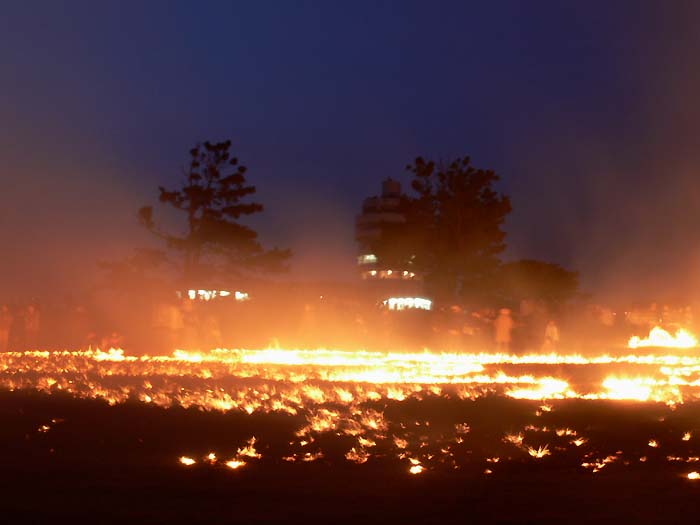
[658, 337]
[296, 381]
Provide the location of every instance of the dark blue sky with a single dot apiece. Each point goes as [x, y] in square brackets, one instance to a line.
[588, 111]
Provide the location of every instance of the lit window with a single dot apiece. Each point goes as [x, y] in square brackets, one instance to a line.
[241, 296]
[408, 303]
[369, 258]
[208, 295]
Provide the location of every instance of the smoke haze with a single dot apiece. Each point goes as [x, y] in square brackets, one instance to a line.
[589, 115]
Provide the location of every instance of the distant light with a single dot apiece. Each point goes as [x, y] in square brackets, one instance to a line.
[388, 274]
[408, 303]
[369, 258]
[693, 475]
[208, 295]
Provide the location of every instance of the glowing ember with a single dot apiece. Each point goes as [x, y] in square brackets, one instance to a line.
[539, 452]
[598, 465]
[357, 456]
[514, 439]
[416, 467]
[234, 464]
[186, 461]
[693, 475]
[249, 450]
[658, 337]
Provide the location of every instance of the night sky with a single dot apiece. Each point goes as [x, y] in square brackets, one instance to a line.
[587, 110]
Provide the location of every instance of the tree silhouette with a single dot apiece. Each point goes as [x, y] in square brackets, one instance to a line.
[452, 234]
[462, 217]
[214, 198]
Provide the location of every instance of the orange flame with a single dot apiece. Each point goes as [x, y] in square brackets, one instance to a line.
[658, 337]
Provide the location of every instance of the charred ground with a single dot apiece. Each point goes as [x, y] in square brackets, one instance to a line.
[120, 463]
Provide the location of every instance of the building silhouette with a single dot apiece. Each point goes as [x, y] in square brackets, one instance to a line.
[378, 213]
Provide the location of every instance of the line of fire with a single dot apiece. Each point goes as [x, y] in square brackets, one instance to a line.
[341, 358]
[349, 262]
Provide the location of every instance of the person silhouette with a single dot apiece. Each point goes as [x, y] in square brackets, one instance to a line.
[32, 323]
[551, 337]
[6, 319]
[503, 326]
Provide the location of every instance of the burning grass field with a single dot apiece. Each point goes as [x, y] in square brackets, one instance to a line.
[300, 435]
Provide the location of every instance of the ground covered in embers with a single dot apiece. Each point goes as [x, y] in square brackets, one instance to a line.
[486, 460]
